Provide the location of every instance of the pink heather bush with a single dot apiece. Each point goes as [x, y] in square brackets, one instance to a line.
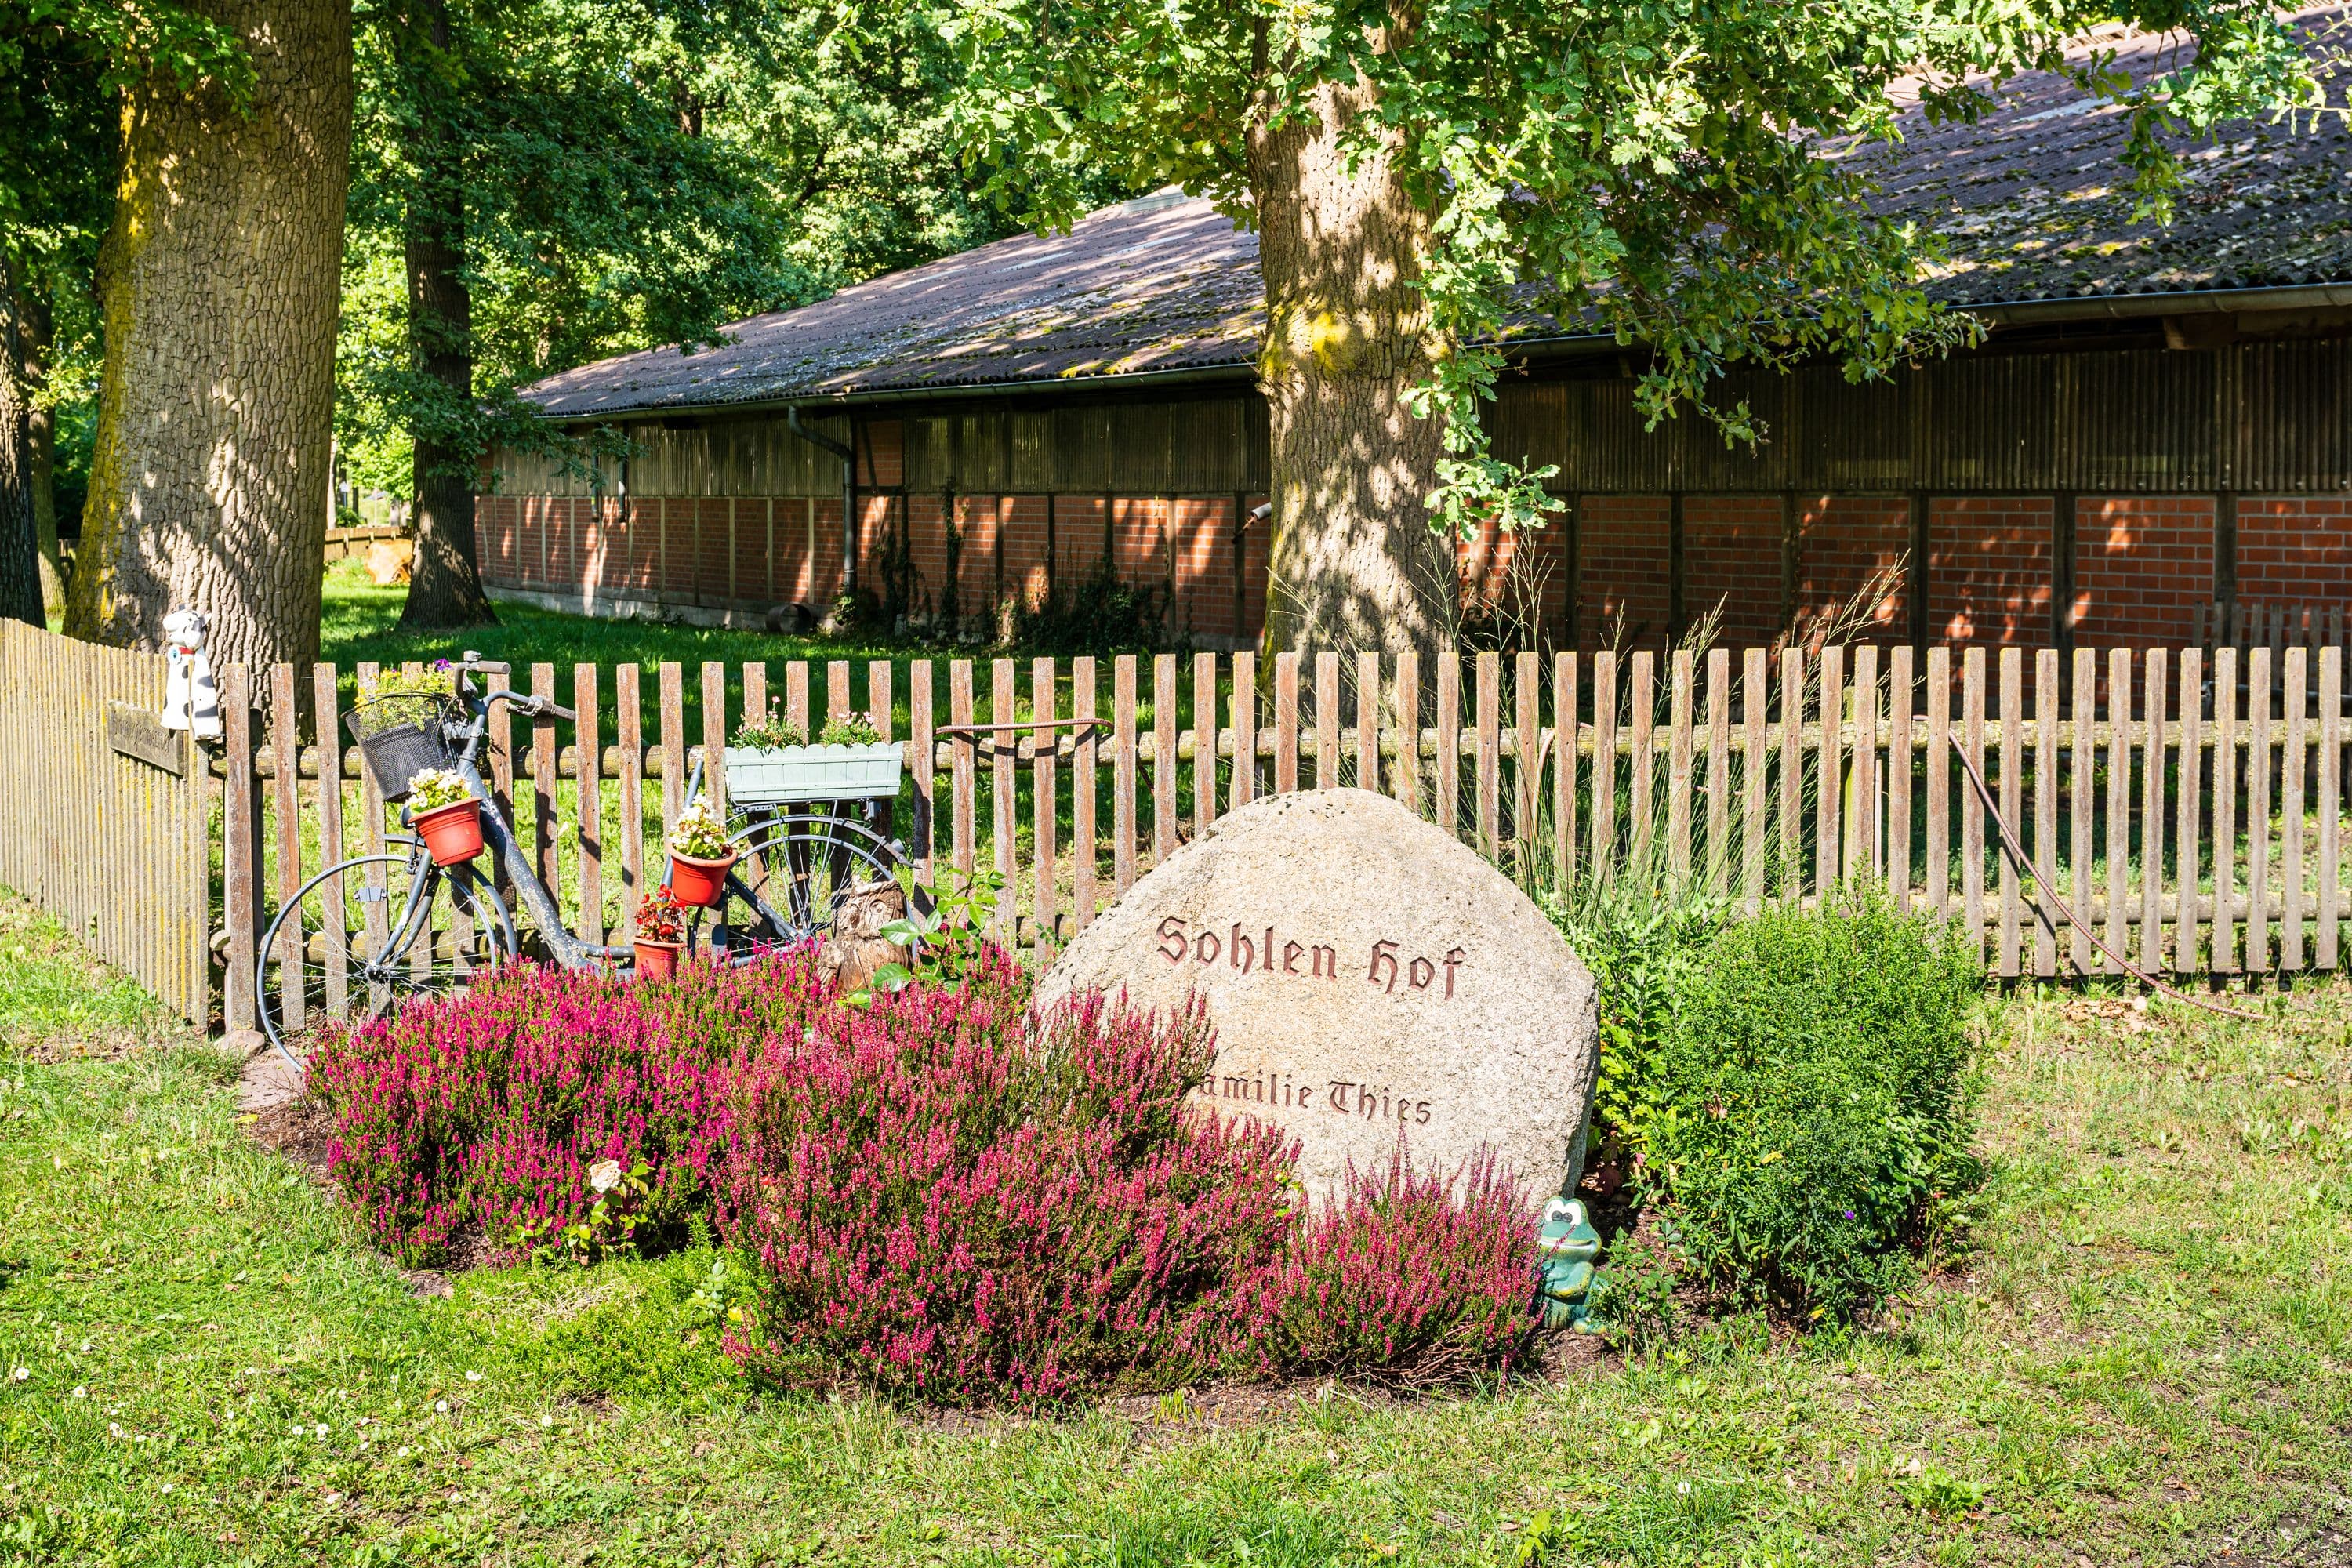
[481, 1114]
[1410, 1277]
[946, 1198]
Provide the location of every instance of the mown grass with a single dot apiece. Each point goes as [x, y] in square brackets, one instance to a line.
[2148, 1360]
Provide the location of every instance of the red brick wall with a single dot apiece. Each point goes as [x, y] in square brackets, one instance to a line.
[1842, 542]
[881, 454]
[1520, 577]
[2142, 563]
[1731, 556]
[2294, 549]
[1620, 549]
[1988, 571]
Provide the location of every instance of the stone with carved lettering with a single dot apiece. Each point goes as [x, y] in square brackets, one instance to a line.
[1369, 978]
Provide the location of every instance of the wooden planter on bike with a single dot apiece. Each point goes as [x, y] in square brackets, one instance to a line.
[452, 833]
[696, 882]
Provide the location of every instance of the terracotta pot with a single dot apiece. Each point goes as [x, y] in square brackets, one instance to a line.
[657, 960]
[452, 833]
[697, 883]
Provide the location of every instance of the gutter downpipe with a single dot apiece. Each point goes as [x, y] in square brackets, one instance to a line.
[848, 490]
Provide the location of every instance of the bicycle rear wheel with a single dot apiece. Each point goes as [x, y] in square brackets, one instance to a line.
[365, 936]
[793, 873]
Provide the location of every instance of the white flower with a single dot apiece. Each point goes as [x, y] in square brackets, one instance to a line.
[81, 1392]
[604, 1176]
[402, 1455]
[441, 1406]
[320, 1430]
[114, 1428]
[20, 1374]
[331, 1497]
[473, 1377]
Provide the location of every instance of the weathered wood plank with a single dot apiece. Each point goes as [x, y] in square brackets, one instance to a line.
[1004, 797]
[963, 768]
[2187, 853]
[1045, 698]
[1368, 720]
[1285, 721]
[1123, 767]
[628, 736]
[1566, 737]
[2224, 950]
[2324, 951]
[1407, 777]
[1939, 781]
[1165, 824]
[1755, 764]
[1793, 772]
[2151, 732]
[1205, 742]
[2257, 803]
[1604, 766]
[1680, 701]
[335, 926]
[1327, 721]
[589, 825]
[1901, 690]
[1446, 802]
[2297, 682]
[1083, 762]
[1244, 782]
[1488, 700]
[1719, 769]
[1829, 773]
[1640, 722]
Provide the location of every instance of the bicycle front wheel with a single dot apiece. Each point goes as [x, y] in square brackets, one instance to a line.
[366, 936]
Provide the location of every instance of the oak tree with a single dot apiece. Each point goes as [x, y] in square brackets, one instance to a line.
[1427, 177]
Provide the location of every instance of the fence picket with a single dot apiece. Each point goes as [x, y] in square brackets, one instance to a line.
[1829, 771]
[1285, 722]
[1368, 720]
[2187, 853]
[2045, 765]
[964, 786]
[1123, 778]
[1939, 782]
[1604, 766]
[2119, 755]
[2258, 801]
[1083, 764]
[1448, 798]
[240, 877]
[2331, 780]
[2085, 765]
[1900, 693]
[1205, 742]
[2224, 950]
[1489, 700]
[1004, 789]
[714, 737]
[1043, 703]
[1972, 801]
[1862, 862]
[1719, 769]
[922, 761]
[1243, 785]
[1754, 760]
[2151, 812]
[286, 800]
[672, 719]
[1565, 740]
[1164, 823]
[1679, 706]
[334, 925]
[2011, 697]
[628, 736]
[1641, 721]
[588, 826]
[371, 910]
[2296, 680]
[542, 783]
[1327, 721]
[1793, 772]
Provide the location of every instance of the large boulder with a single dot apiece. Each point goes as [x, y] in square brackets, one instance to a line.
[1369, 978]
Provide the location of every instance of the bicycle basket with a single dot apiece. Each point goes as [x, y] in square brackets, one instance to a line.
[401, 737]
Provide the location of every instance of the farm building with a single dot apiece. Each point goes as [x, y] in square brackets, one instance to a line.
[2159, 417]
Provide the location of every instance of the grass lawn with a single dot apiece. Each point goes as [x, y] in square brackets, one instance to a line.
[2148, 1362]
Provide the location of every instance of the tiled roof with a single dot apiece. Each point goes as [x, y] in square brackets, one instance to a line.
[2032, 202]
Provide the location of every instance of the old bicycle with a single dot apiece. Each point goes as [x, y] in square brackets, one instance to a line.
[427, 930]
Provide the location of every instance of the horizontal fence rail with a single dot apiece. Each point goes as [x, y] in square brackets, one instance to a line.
[102, 818]
[2186, 803]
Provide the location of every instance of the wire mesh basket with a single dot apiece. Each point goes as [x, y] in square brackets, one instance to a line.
[402, 736]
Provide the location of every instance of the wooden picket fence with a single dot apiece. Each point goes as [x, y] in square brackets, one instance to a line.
[2188, 805]
[102, 818]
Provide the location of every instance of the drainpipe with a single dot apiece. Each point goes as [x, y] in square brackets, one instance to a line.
[848, 492]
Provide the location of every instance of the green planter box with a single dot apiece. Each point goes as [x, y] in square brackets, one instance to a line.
[775, 775]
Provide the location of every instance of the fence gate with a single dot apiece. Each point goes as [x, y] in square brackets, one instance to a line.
[101, 810]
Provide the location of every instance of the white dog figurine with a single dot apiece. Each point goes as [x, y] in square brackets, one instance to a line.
[191, 701]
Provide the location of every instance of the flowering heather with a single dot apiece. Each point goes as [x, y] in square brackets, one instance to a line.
[1408, 1275]
[945, 1197]
[483, 1113]
[946, 1205]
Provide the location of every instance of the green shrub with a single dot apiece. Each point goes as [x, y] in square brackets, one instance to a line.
[1644, 952]
[1814, 1095]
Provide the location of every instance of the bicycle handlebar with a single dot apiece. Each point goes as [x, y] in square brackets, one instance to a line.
[525, 703]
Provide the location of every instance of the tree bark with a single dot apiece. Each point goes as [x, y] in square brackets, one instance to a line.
[20, 556]
[220, 281]
[445, 578]
[34, 335]
[1353, 563]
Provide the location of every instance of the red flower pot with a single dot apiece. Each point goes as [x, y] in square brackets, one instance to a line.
[697, 883]
[657, 960]
[452, 833]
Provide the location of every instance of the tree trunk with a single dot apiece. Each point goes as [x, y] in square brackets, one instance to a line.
[1354, 564]
[20, 556]
[444, 579]
[220, 281]
[35, 334]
